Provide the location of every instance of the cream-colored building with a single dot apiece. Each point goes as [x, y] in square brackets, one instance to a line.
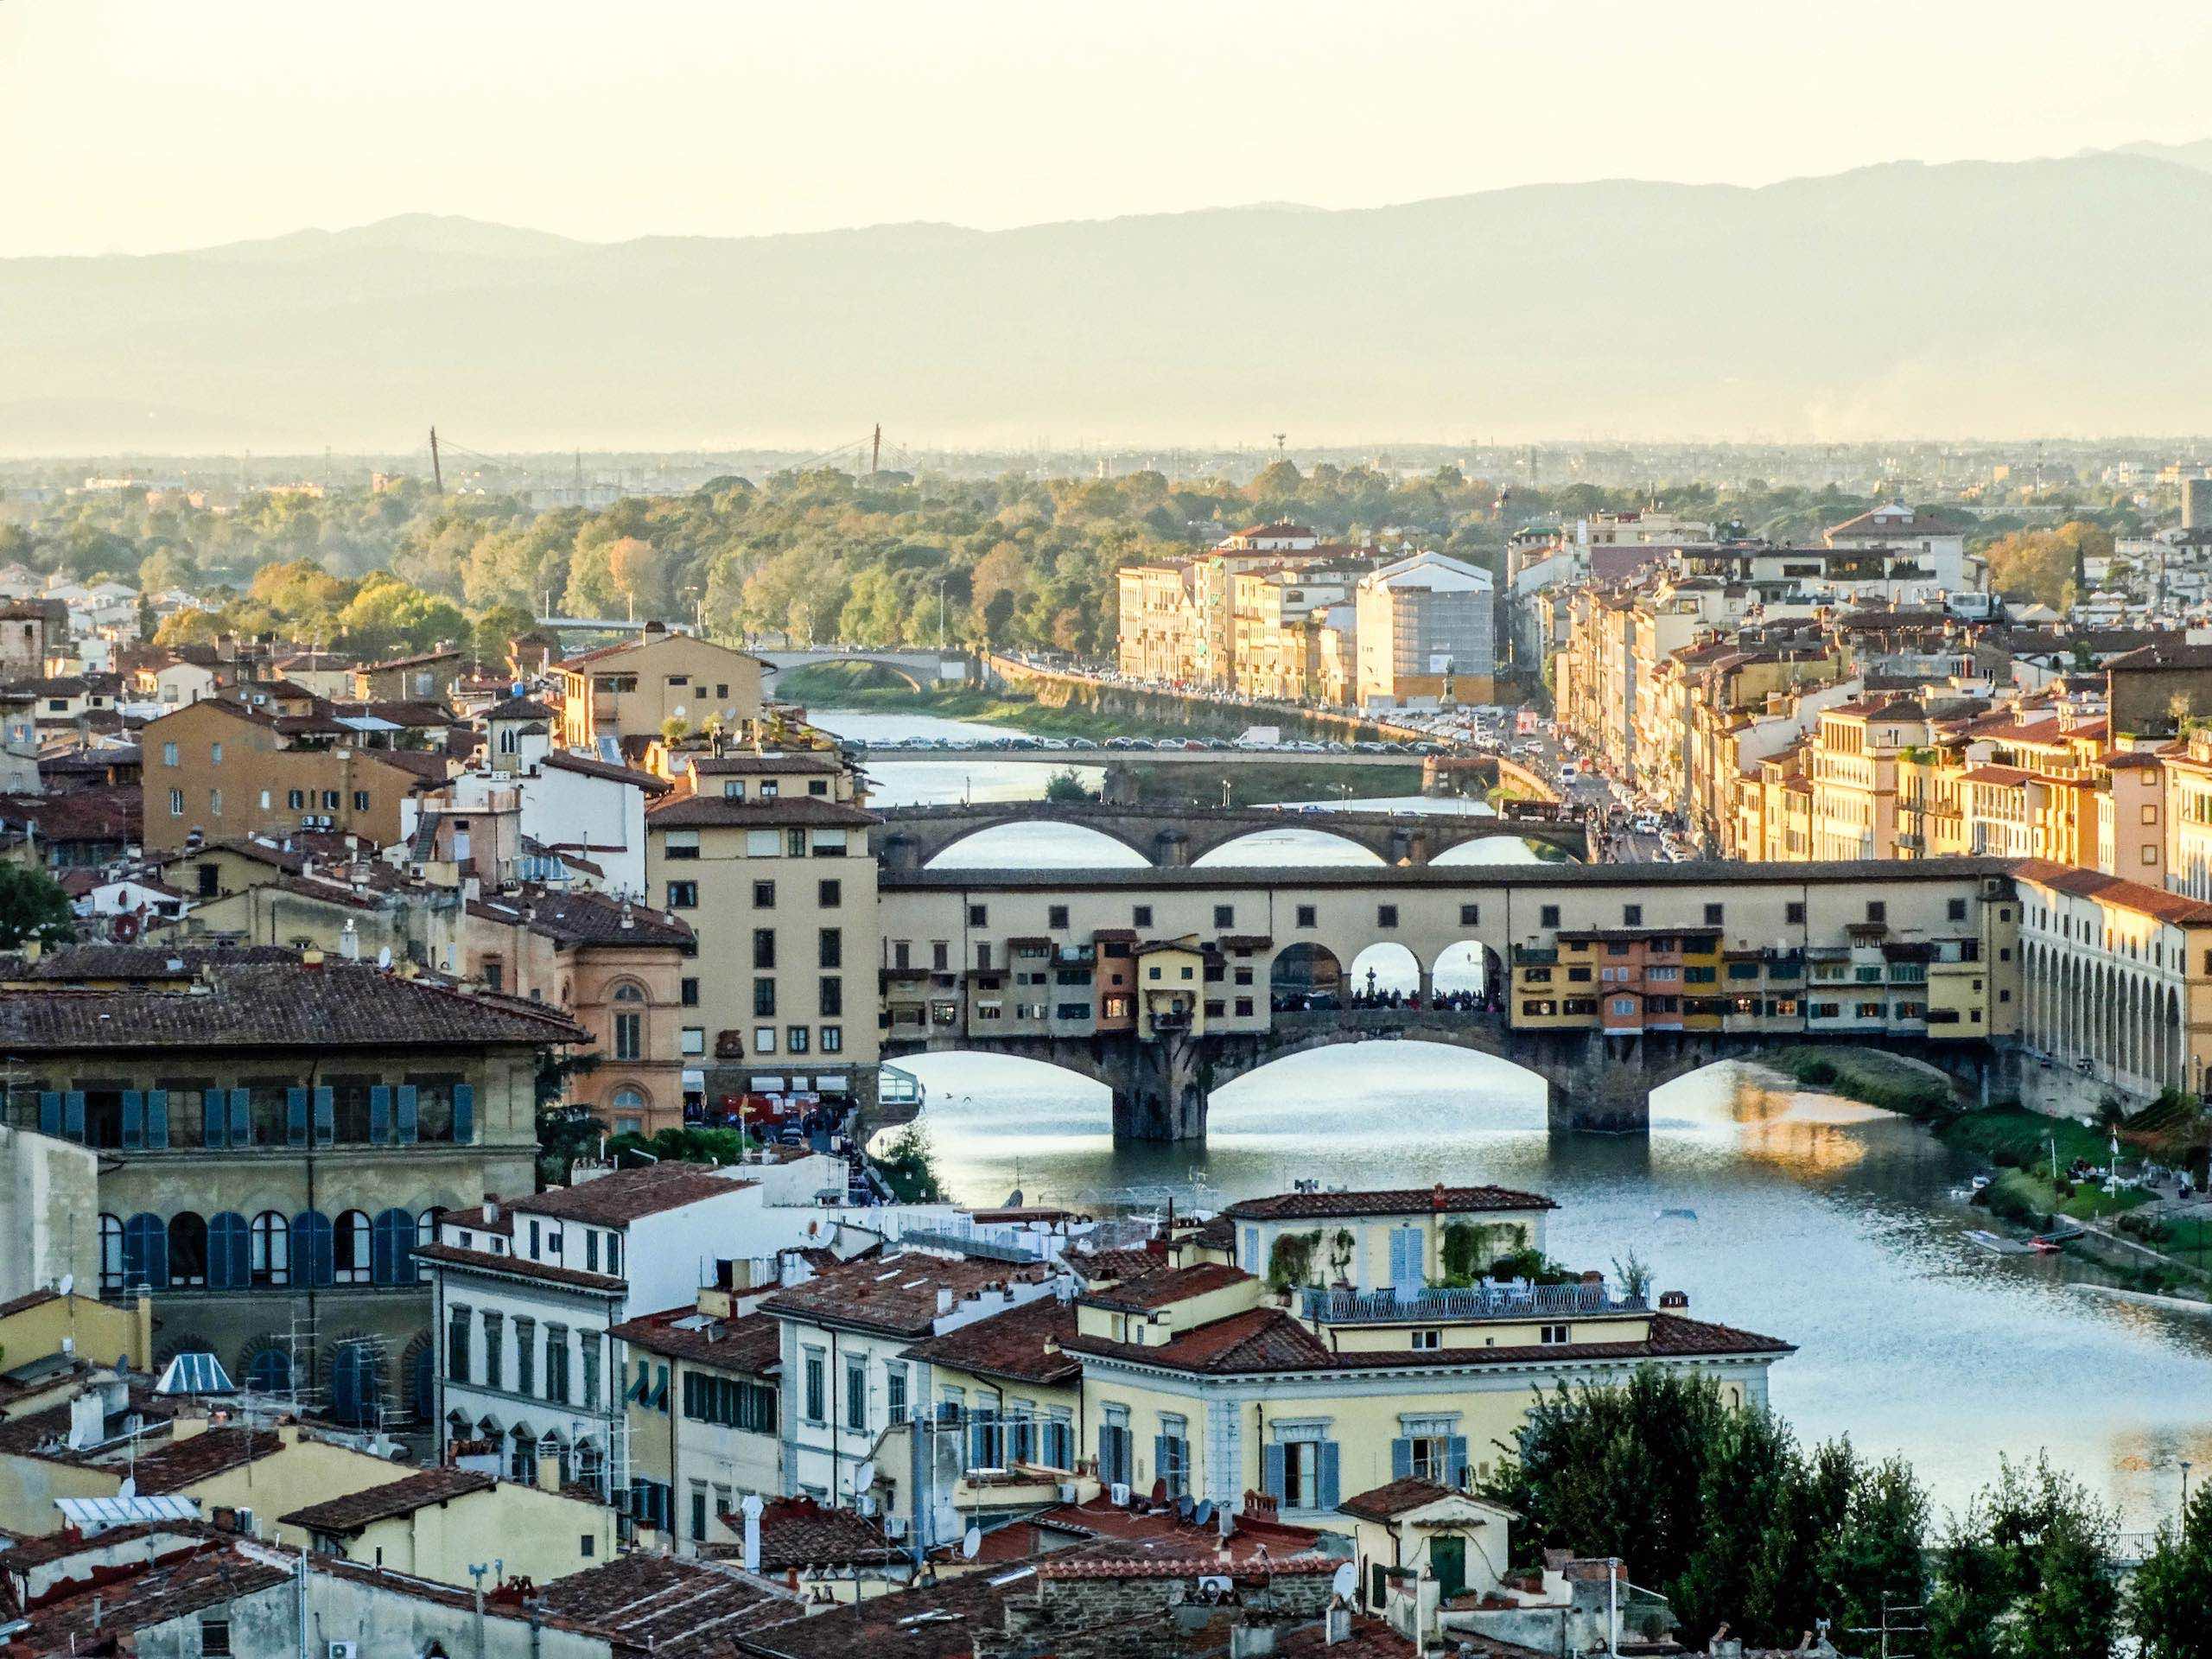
[437, 1523]
[632, 692]
[1426, 634]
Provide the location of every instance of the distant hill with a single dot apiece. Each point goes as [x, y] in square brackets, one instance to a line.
[2061, 296]
[2197, 155]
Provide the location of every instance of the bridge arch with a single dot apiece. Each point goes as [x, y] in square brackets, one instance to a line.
[1303, 834]
[1383, 968]
[1302, 971]
[1470, 968]
[1037, 853]
[775, 665]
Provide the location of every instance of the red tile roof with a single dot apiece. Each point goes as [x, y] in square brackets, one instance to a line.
[896, 1294]
[416, 1491]
[1168, 1286]
[519, 1266]
[1022, 1346]
[628, 1195]
[2155, 902]
[752, 1342]
[1387, 1501]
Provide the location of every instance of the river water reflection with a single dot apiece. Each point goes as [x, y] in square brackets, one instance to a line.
[1809, 1218]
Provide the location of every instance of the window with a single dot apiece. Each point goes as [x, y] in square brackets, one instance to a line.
[1631, 915]
[169, 754]
[1427, 1341]
[1471, 915]
[557, 1364]
[1056, 916]
[764, 997]
[525, 1356]
[764, 895]
[1386, 915]
[176, 803]
[1713, 915]
[1171, 1454]
[833, 1039]
[830, 998]
[269, 1249]
[215, 1637]
[1224, 915]
[683, 895]
[815, 1404]
[349, 1249]
[687, 993]
[680, 844]
[296, 799]
[693, 1040]
[1552, 1334]
[1795, 912]
[732, 789]
[764, 947]
[979, 915]
[894, 1392]
[629, 1023]
[1303, 1481]
[764, 1040]
[360, 800]
[1547, 916]
[856, 1394]
[1877, 911]
[795, 1039]
[458, 1326]
[829, 895]
[1956, 910]
[832, 948]
[1305, 916]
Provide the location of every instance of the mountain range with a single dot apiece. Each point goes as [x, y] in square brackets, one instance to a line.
[2065, 296]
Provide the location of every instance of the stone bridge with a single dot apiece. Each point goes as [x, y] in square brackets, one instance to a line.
[919, 668]
[1593, 1082]
[909, 837]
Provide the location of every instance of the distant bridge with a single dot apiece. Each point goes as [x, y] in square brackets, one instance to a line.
[1171, 757]
[910, 836]
[919, 668]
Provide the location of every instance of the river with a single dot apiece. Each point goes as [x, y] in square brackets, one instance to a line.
[1817, 1220]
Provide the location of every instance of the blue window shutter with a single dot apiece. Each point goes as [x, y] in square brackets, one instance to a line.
[464, 1114]
[228, 1264]
[133, 1120]
[215, 1108]
[1455, 1462]
[1160, 1457]
[1402, 1459]
[1327, 1483]
[1271, 1470]
[146, 1253]
[380, 1115]
[157, 1120]
[241, 1117]
[73, 1113]
[383, 1250]
[408, 1117]
[660, 1388]
[311, 1249]
[50, 1112]
[326, 1116]
[295, 1117]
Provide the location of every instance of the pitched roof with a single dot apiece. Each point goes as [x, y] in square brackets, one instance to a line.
[798, 1533]
[1394, 1499]
[751, 1342]
[2145, 900]
[628, 1195]
[512, 1266]
[255, 1005]
[417, 1491]
[897, 1294]
[1396, 1201]
[589, 767]
[169, 1590]
[178, 1464]
[676, 1609]
[583, 917]
[1167, 1286]
[1022, 1344]
[703, 811]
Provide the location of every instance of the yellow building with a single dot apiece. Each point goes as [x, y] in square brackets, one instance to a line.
[631, 691]
[1201, 1380]
[436, 1524]
[1171, 980]
[705, 1424]
[47, 1335]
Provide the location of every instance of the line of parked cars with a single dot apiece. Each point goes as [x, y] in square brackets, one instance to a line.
[1190, 745]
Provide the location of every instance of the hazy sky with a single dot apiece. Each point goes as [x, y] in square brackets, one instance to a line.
[141, 124]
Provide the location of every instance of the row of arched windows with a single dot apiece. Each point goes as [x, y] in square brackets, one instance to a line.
[270, 1251]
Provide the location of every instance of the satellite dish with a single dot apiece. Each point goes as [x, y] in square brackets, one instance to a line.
[1228, 1525]
[1343, 1581]
[971, 1544]
[68, 1285]
[864, 1477]
[383, 957]
[1183, 1507]
[1014, 1199]
[129, 1490]
[1204, 1515]
[1160, 1490]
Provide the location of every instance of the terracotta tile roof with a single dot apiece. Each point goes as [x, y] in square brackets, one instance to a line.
[417, 1491]
[1105, 1266]
[178, 1464]
[1393, 1499]
[676, 1608]
[1398, 1201]
[896, 1294]
[1022, 1344]
[563, 760]
[166, 1591]
[704, 812]
[2144, 900]
[629, 1195]
[252, 1005]
[941, 1621]
[748, 763]
[1168, 1286]
[23, 1304]
[797, 1533]
[752, 1342]
[583, 917]
[519, 1266]
[517, 708]
[1122, 1565]
[1267, 1340]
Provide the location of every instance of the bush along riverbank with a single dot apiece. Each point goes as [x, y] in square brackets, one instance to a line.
[2032, 1153]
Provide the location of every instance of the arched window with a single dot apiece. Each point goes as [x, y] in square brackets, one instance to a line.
[629, 1022]
[229, 1251]
[356, 1382]
[351, 1258]
[522, 1453]
[311, 1248]
[269, 1249]
[392, 1247]
[145, 1252]
[188, 1250]
[111, 1253]
[629, 1112]
[426, 1226]
[270, 1371]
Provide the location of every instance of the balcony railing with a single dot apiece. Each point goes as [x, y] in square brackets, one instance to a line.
[1439, 1305]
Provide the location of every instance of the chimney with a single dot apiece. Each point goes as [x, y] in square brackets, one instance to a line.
[548, 1474]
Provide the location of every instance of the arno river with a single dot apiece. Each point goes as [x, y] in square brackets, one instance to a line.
[1800, 1216]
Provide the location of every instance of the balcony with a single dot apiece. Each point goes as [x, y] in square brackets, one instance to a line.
[1437, 1305]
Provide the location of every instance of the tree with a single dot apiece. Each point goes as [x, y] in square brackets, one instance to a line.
[1881, 1550]
[1066, 786]
[908, 1168]
[33, 907]
[2168, 1597]
[2027, 1572]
